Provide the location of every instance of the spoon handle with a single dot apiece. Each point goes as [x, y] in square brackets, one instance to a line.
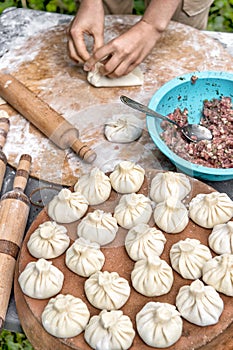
[142, 108]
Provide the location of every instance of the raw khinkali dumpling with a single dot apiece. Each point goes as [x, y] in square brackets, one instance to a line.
[107, 290]
[142, 241]
[98, 226]
[159, 324]
[133, 209]
[65, 316]
[67, 206]
[110, 330]
[152, 276]
[169, 184]
[94, 186]
[127, 177]
[208, 210]
[199, 304]
[188, 257]
[123, 128]
[40, 279]
[84, 257]
[221, 238]
[218, 273]
[48, 241]
[171, 215]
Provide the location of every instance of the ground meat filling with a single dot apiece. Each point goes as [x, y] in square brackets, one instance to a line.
[217, 117]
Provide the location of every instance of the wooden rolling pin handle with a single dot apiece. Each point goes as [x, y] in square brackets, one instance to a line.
[4, 128]
[84, 151]
[41, 115]
[22, 172]
[3, 162]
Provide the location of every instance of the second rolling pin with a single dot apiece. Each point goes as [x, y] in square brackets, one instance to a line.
[43, 117]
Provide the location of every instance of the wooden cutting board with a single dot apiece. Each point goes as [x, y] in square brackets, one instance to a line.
[217, 337]
[41, 62]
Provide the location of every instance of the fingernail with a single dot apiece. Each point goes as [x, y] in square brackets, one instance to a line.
[86, 67]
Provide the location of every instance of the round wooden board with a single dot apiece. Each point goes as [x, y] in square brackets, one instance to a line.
[44, 67]
[193, 337]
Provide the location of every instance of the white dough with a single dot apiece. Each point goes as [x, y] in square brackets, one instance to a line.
[218, 273]
[169, 184]
[188, 257]
[143, 241]
[221, 238]
[65, 316]
[107, 290]
[127, 177]
[94, 186]
[48, 241]
[132, 79]
[199, 304]
[67, 206]
[110, 330]
[40, 279]
[3, 114]
[133, 209]
[152, 276]
[123, 128]
[171, 215]
[159, 324]
[98, 226]
[84, 257]
[208, 210]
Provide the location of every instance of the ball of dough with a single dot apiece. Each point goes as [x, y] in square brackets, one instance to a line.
[171, 215]
[221, 238]
[94, 186]
[84, 257]
[188, 257]
[40, 279]
[143, 241]
[208, 210]
[199, 304]
[107, 290]
[67, 206]
[110, 330]
[127, 177]
[123, 128]
[159, 324]
[133, 209]
[218, 273]
[65, 316]
[169, 184]
[48, 241]
[98, 226]
[152, 276]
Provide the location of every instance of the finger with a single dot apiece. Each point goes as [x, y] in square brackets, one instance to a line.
[100, 54]
[72, 52]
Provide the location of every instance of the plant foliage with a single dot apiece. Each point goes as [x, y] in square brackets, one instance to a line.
[14, 341]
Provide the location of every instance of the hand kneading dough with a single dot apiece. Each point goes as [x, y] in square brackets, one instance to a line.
[110, 330]
[127, 177]
[199, 304]
[107, 290]
[65, 316]
[132, 79]
[159, 324]
[218, 273]
[67, 206]
[95, 186]
[48, 241]
[123, 128]
[84, 257]
[40, 279]
[208, 210]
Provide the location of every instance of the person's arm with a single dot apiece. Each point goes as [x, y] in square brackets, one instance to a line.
[88, 20]
[130, 49]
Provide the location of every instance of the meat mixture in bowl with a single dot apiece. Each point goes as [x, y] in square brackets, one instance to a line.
[217, 117]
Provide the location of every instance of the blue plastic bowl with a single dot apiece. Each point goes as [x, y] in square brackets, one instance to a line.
[181, 92]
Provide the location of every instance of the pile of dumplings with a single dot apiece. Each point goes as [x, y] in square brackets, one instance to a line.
[158, 324]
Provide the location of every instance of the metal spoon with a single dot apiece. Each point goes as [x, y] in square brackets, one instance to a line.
[193, 132]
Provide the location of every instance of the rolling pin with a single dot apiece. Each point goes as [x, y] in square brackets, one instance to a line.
[43, 117]
[14, 210]
[4, 127]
